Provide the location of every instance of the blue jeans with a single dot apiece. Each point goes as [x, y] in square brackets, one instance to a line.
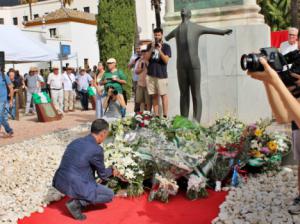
[99, 107]
[4, 108]
[13, 110]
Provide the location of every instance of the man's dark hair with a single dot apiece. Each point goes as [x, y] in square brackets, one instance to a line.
[158, 30]
[98, 126]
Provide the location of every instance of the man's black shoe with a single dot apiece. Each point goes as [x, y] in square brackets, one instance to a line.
[74, 208]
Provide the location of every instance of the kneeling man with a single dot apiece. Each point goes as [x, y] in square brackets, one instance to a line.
[75, 175]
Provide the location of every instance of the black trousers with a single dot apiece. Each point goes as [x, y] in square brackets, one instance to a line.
[84, 99]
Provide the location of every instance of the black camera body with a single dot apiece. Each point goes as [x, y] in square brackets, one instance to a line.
[276, 60]
[115, 92]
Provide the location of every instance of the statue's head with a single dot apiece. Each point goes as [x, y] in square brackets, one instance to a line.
[186, 13]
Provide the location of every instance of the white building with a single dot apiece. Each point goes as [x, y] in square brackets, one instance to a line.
[74, 26]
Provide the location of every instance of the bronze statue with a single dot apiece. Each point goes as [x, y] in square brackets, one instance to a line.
[188, 64]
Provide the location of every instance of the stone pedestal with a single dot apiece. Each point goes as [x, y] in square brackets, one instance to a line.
[225, 86]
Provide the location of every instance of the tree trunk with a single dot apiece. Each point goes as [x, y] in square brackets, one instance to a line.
[137, 34]
[157, 14]
[294, 13]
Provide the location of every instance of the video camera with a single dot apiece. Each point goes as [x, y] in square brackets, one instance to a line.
[277, 61]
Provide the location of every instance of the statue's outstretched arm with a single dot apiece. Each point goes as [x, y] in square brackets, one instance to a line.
[207, 30]
[171, 35]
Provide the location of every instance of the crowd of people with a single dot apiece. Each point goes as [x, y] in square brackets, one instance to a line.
[103, 86]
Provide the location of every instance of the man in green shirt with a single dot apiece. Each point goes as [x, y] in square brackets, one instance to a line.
[113, 77]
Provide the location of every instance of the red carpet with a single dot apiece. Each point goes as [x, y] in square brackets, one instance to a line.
[179, 210]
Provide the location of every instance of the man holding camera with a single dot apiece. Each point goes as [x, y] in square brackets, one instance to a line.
[157, 79]
[142, 96]
[114, 78]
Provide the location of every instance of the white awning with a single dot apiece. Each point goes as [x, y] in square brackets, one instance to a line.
[19, 48]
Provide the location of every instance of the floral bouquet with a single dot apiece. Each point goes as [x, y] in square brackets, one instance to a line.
[142, 119]
[162, 188]
[265, 149]
[227, 130]
[127, 162]
[196, 187]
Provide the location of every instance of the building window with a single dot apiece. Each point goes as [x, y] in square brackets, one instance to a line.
[52, 32]
[15, 21]
[75, 9]
[25, 18]
[86, 9]
[1, 21]
[36, 16]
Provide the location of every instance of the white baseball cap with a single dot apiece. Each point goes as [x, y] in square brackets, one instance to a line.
[111, 60]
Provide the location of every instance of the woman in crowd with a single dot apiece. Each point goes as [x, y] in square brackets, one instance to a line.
[114, 105]
[99, 90]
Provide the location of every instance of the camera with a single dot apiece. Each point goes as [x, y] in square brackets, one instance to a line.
[275, 59]
[115, 92]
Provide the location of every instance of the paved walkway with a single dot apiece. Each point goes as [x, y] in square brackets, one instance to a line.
[29, 127]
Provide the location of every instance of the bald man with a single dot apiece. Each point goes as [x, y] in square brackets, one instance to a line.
[291, 44]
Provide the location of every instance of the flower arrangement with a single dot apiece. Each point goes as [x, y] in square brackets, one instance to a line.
[164, 150]
[226, 130]
[196, 187]
[162, 188]
[126, 161]
[265, 148]
[142, 119]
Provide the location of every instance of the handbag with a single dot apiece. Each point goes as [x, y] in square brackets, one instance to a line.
[74, 84]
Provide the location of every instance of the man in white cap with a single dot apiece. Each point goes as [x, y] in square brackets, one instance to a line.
[291, 44]
[33, 83]
[114, 78]
[55, 81]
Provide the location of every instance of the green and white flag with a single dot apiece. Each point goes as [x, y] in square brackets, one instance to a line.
[91, 91]
[42, 97]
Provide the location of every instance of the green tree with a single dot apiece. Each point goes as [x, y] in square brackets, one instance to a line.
[116, 33]
[29, 2]
[277, 13]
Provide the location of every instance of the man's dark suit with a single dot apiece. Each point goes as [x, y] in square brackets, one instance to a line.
[75, 175]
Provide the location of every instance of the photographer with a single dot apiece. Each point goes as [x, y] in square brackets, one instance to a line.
[157, 79]
[285, 107]
[114, 78]
[114, 106]
[142, 96]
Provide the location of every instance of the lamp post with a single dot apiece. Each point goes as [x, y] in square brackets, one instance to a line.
[156, 4]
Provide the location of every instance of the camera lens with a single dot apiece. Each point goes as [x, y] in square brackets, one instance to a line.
[251, 62]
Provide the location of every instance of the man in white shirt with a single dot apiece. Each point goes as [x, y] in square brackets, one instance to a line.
[55, 81]
[292, 43]
[69, 92]
[83, 82]
[33, 83]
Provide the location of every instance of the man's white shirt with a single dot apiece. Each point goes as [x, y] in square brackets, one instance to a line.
[55, 81]
[285, 47]
[68, 81]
